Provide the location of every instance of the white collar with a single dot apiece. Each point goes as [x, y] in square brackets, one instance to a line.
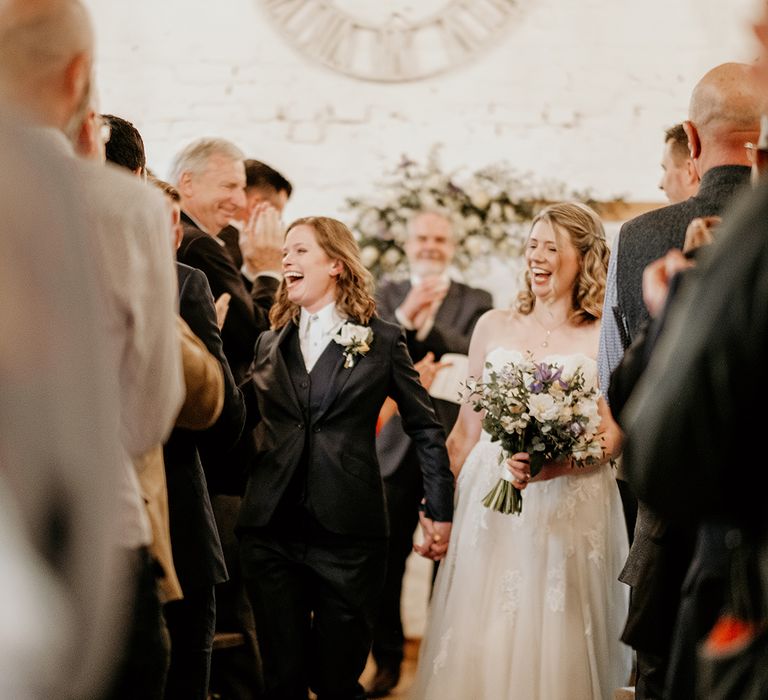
[328, 319]
[197, 223]
[416, 279]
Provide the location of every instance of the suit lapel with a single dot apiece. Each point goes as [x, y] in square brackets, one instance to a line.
[446, 314]
[282, 375]
[339, 377]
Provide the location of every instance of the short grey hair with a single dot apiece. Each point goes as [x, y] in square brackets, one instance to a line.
[194, 157]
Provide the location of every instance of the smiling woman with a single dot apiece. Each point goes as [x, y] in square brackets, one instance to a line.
[313, 514]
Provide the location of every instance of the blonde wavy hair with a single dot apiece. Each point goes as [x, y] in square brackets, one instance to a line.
[585, 230]
[354, 283]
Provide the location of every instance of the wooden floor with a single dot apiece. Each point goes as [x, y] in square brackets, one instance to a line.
[407, 671]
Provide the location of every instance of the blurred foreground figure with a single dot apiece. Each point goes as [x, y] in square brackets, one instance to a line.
[59, 439]
[121, 234]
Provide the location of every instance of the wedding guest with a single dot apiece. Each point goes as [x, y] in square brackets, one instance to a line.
[438, 316]
[528, 605]
[723, 112]
[128, 229]
[680, 422]
[210, 177]
[679, 179]
[197, 550]
[313, 524]
[263, 186]
[125, 146]
[62, 581]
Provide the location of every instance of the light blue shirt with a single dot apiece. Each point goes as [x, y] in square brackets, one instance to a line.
[610, 350]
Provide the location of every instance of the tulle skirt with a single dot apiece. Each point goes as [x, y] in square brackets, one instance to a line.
[529, 607]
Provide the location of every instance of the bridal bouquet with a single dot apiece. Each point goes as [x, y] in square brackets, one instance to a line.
[546, 409]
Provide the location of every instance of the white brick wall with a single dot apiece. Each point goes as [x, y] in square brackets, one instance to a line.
[578, 91]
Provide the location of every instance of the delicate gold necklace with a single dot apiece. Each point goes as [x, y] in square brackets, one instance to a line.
[545, 342]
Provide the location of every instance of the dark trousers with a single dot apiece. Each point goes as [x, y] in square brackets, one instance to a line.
[403, 491]
[650, 673]
[191, 622]
[236, 673]
[314, 595]
[142, 668]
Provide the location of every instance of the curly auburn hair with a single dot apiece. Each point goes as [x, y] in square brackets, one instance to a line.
[354, 284]
[585, 230]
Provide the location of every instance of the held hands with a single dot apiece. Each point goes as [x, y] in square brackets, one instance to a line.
[423, 300]
[261, 241]
[436, 536]
[428, 369]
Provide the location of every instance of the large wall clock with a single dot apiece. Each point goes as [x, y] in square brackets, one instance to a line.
[391, 40]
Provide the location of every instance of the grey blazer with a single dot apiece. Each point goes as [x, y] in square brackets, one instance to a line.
[451, 332]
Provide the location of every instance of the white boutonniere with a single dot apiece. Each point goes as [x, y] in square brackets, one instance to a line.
[356, 341]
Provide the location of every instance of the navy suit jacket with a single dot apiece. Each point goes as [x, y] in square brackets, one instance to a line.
[336, 442]
[195, 541]
[248, 313]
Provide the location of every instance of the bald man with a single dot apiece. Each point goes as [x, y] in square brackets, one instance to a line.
[724, 113]
[46, 64]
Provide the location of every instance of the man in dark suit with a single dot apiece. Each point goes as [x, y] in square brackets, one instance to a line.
[438, 316]
[197, 551]
[724, 113]
[210, 177]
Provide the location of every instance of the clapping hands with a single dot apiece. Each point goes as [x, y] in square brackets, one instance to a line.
[423, 300]
[261, 241]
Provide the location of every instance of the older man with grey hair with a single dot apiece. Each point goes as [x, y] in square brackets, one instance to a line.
[209, 174]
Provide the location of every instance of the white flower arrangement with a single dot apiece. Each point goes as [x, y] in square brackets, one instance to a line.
[491, 210]
[356, 341]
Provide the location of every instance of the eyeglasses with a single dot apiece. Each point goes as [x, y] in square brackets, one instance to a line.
[758, 155]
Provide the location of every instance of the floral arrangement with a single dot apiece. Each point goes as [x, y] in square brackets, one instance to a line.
[491, 210]
[545, 409]
[356, 341]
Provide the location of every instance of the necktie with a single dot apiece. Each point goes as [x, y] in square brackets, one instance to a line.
[314, 336]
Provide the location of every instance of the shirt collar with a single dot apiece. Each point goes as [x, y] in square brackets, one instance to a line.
[417, 279]
[197, 223]
[328, 319]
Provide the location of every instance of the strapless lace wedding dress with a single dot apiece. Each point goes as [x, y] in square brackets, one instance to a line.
[529, 607]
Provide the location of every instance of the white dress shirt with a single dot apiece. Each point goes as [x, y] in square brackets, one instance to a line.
[316, 331]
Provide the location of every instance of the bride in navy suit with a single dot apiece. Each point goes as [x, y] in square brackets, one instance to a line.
[313, 526]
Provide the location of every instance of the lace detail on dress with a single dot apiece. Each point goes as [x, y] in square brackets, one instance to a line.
[596, 539]
[556, 588]
[510, 591]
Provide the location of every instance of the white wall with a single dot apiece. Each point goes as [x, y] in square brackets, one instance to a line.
[578, 91]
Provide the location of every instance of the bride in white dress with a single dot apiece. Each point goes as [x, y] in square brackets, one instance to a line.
[529, 607]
